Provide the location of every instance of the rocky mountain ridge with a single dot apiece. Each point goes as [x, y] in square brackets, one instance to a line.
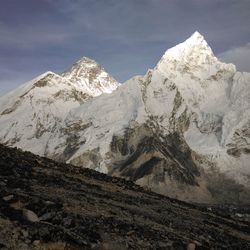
[50, 205]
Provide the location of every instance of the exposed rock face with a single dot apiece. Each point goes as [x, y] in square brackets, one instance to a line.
[58, 206]
[181, 130]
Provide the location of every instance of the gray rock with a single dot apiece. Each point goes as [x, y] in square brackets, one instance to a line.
[25, 233]
[30, 215]
[191, 246]
[36, 242]
[47, 216]
[8, 197]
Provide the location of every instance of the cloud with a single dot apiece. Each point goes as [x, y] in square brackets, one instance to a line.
[127, 37]
[239, 56]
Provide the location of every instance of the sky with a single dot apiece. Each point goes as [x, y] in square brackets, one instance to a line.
[125, 36]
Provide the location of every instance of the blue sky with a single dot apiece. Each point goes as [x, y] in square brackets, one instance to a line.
[126, 36]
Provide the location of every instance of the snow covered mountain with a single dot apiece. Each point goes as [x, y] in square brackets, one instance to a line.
[183, 129]
[91, 77]
[33, 113]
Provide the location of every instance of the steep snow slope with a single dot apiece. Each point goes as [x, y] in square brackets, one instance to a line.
[33, 113]
[182, 129]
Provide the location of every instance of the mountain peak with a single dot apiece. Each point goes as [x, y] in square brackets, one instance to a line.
[196, 37]
[91, 76]
[86, 61]
[193, 51]
[195, 43]
[196, 40]
[82, 65]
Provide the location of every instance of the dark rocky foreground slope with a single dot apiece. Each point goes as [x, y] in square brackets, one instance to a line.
[49, 205]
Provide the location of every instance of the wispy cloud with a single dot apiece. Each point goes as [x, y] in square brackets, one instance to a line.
[240, 56]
